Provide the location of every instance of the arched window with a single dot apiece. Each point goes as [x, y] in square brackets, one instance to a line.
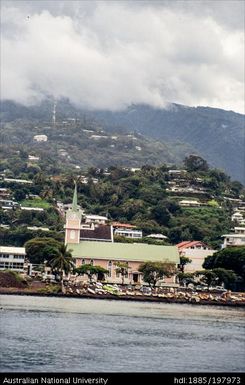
[91, 262]
[83, 262]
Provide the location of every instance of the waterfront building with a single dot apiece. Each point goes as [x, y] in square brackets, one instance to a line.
[12, 258]
[92, 243]
[107, 255]
[196, 251]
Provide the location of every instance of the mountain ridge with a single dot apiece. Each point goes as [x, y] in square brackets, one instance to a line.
[215, 134]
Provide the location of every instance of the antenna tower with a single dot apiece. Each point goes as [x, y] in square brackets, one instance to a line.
[54, 113]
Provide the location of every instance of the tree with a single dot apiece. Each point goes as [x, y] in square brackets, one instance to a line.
[40, 249]
[161, 214]
[195, 163]
[91, 270]
[186, 278]
[230, 258]
[122, 268]
[207, 277]
[62, 262]
[216, 277]
[20, 194]
[184, 261]
[226, 277]
[154, 271]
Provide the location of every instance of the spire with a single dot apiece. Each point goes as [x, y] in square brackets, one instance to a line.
[74, 201]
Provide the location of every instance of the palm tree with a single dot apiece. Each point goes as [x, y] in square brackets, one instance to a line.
[62, 263]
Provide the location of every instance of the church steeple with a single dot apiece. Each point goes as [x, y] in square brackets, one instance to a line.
[74, 201]
[73, 221]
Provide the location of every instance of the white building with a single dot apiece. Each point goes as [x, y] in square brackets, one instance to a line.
[6, 204]
[40, 138]
[196, 251]
[21, 181]
[128, 233]
[234, 239]
[31, 208]
[36, 228]
[12, 258]
[157, 237]
[101, 220]
[238, 217]
[33, 158]
[189, 203]
[239, 230]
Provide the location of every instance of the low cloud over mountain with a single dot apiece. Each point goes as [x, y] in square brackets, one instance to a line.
[108, 55]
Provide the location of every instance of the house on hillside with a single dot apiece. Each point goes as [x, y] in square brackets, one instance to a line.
[40, 138]
[92, 243]
[7, 204]
[4, 193]
[234, 239]
[96, 219]
[238, 217]
[177, 173]
[126, 230]
[157, 237]
[196, 251]
[189, 203]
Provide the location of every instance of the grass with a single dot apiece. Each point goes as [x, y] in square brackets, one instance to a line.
[39, 203]
[50, 289]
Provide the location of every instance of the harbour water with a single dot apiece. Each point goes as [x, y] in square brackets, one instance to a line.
[46, 334]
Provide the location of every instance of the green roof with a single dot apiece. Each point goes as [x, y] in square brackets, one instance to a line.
[124, 251]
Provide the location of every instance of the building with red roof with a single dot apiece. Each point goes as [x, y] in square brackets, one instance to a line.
[196, 251]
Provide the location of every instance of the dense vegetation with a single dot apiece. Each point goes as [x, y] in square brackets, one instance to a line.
[141, 198]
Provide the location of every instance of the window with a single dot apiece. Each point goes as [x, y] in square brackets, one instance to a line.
[109, 264]
[83, 262]
[17, 265]
[5, 256]
[91, 262]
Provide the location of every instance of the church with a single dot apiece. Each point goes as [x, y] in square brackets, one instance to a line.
[90, 239]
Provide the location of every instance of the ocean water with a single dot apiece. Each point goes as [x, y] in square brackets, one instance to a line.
[44, 334]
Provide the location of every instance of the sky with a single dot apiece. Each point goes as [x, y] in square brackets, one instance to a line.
[111, 54]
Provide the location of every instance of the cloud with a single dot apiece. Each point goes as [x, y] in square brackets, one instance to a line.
[108, 55]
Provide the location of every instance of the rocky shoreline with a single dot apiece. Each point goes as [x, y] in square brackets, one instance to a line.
[139, 298]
